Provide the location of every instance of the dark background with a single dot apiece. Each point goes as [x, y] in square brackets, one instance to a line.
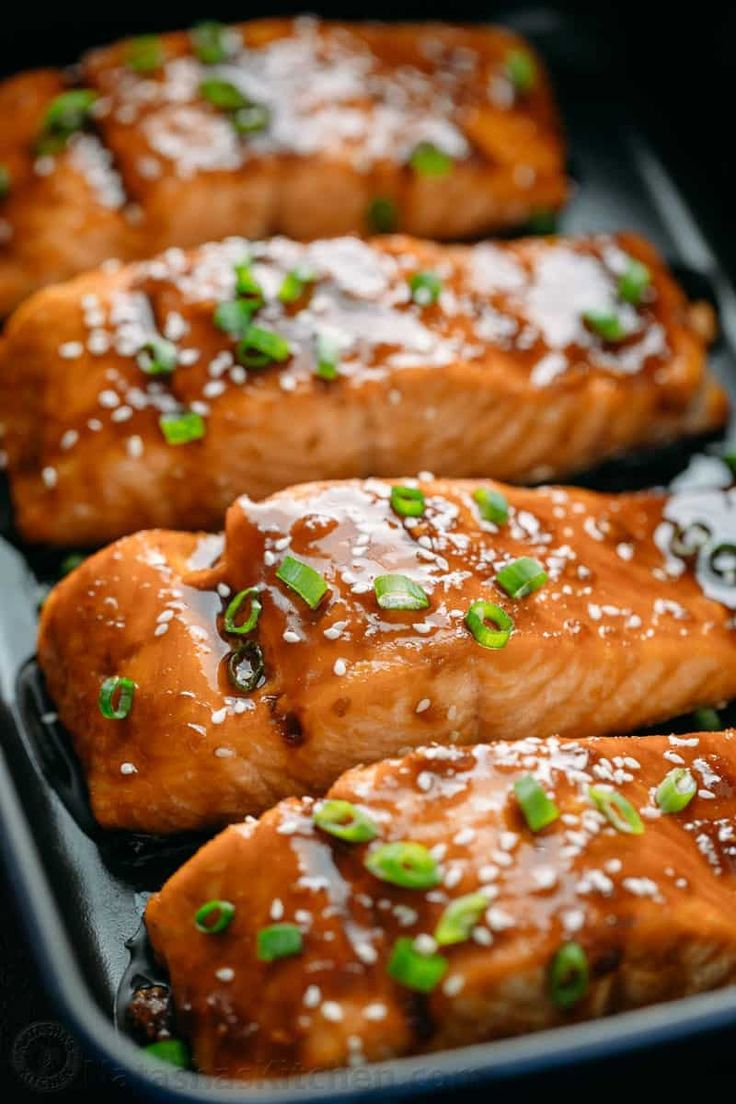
[678, 69]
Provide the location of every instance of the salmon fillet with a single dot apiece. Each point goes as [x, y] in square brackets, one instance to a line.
[509, 930]
[241, 699]
[302, 127]
[397, 355]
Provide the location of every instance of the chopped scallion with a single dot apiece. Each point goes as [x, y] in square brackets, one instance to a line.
[251, 119]
[539, 810]
[116, 697]
[327, 355]
[233, 609]
[295, 283]
[415, 969]
[425, 288]
[605, 324]
[397, 592]
[279, 941]
[222, 94]
[213, 917]
[234, 316]
[145, 53]
[345, 820]
[211, 42]
[568, 975]
[66, 114]
[182, 428]
[676, 790]
[492, 505]
[246, 285]
[245, 667]
[521, 577]
[617, 810]
[408, 501]
[477, 618]
[428, 160]
[157, 357]
[459, 918]
[521, 70]
[634, 282]
[173, 1051]
[303, 580]
[404, 863]
[259, 347]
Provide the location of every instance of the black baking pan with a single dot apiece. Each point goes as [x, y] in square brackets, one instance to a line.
[81, 892]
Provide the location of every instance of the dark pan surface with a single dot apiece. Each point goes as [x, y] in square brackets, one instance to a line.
[83, 891]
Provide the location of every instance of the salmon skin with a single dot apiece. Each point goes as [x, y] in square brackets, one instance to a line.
[137, 399]
[302, 127]
[341, 624]
[614, 904]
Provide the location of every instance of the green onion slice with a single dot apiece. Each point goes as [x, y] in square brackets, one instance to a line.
[303, 580]
[157, 357]
[676, 790]
[4, 181]
[417, 971]
[182, 428]
[606, 324]
[66, 114]
[634, 281]
[279, 941]
[246, 285]
[403, 863]
[345, 820]
[145, 53]
[477, 618]
[428, 160]
[259, 347]
[459, 918]
[521, 577]
[492, 505]
[397, 592]
[328, 356]
[617, 810]
[116, 697]
[214, 917]
[245, 667]
[706, 720]
[521, 70]
[234, 316]
[233, 609]
[568, 975]
[425, 288]
[173, 1051]
[407, 501]
[295, 283]
[222, 94]
[251, 119]
[382, 216]
[539, 810]
[211, 42]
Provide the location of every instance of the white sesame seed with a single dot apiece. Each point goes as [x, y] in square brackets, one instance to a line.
[218, 716]
[71, 349]
[225, 973]
[340, 667]
[423, 705]
[128, 768]
[332, 1011]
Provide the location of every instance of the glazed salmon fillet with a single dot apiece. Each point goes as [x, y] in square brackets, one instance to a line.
[426, 904]
[345, 622]
[153, 396]
[294, 126]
